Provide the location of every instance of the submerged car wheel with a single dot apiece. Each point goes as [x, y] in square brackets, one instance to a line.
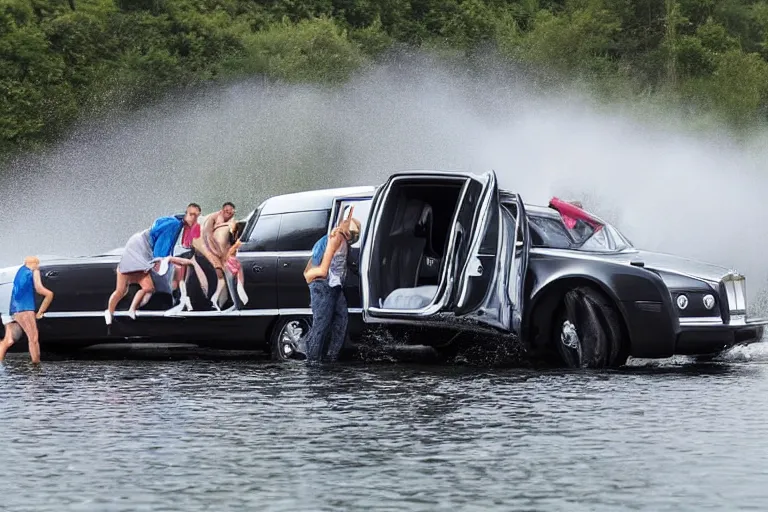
[286, 336]
[588, 332]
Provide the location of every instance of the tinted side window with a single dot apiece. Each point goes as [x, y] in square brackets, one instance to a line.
[551, 233]
[263, 237]
[300, 230]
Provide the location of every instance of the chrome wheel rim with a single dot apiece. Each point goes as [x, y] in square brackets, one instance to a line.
[290, 336]
[569, 336]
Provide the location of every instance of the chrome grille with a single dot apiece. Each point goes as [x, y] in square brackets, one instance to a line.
[735, 286]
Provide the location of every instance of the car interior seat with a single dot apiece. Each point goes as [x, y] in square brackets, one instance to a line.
[429, 267]
[402, 254]
[409, 238]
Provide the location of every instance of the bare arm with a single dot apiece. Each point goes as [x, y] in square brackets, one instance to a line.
[42, 290]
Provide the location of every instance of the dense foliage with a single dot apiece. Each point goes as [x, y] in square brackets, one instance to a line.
[62, 60]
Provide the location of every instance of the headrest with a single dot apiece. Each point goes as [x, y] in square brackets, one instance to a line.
[407, 217]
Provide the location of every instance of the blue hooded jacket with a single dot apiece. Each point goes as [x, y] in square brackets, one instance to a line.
[164, 233]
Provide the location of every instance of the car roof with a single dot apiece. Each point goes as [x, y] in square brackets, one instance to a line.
[310, 200]
[321, 200]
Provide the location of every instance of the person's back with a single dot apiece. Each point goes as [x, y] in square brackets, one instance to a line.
[23, 294]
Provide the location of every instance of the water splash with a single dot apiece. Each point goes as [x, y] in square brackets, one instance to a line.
[668, 188]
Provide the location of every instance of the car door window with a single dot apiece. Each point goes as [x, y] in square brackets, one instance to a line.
[300, 230]
[263, 236]
[362, 209]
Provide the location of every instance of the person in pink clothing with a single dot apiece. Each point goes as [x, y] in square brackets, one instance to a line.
[189, 233]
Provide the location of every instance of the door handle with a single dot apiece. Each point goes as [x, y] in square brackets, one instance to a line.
[257, 268]
[286, 265]
[51, 274]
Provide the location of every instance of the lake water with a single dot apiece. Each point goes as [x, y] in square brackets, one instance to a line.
[224, 434]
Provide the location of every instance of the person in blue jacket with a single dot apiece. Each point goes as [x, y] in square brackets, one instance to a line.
[22, 309]
[148, 252]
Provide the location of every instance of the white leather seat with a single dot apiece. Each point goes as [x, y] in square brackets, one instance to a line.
[410, 298]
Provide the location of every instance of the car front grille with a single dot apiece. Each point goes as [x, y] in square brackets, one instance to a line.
[733, 293]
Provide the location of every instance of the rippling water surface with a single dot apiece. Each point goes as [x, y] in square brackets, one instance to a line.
[208, 434]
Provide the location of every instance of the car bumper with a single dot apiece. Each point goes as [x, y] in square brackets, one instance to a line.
[703, 338]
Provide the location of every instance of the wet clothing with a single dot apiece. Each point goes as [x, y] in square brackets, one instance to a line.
[329, 321]
[163, 235]
[23, 293]
[146, 247]
[330, 315]
[137, 256]
[318, 250]
[337, 272]
[188, 234]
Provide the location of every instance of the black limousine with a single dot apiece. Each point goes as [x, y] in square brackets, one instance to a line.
[441, 253]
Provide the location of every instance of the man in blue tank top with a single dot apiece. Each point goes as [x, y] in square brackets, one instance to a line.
[22, 310]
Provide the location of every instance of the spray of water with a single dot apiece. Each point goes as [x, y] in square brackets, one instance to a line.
[667, 188]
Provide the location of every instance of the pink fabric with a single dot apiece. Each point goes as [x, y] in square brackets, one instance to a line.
[189, 234]
[233, 265]
[572, 214]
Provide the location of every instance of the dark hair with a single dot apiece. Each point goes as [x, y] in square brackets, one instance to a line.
[196, 206]
[228, 204]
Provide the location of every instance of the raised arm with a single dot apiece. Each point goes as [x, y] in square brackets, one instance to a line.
[42, 290]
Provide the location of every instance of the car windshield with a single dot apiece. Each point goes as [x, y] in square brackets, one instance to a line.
[550, 231]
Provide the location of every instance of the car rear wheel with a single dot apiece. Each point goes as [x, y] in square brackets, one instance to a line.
[588, 331]
[286, 336]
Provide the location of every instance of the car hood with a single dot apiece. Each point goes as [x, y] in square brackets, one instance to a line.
[677, 264]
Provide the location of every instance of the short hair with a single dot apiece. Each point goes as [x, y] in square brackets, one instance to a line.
[195, 205]
[228, 204]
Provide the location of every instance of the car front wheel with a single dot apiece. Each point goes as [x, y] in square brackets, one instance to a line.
[588, 331]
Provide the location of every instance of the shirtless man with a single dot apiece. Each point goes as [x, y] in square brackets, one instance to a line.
[225, 242]
[214, 221]
[23, 317]
[216, 234]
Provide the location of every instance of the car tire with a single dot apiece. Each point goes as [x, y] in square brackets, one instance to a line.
[285, 337]
[588, 331]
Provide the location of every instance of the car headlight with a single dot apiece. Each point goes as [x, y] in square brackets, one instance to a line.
[682, 301]
[709, 301]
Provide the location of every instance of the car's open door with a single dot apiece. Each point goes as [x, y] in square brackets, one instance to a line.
[472, 268]
[481, 267]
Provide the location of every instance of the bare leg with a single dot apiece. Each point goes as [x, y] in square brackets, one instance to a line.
[28, 323]
[241, 288]
[219, 288]
[146, 290]
[12, 331]
[121, 289]
[201, 277]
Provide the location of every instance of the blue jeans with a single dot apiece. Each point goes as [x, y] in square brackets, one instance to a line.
[329, 320]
